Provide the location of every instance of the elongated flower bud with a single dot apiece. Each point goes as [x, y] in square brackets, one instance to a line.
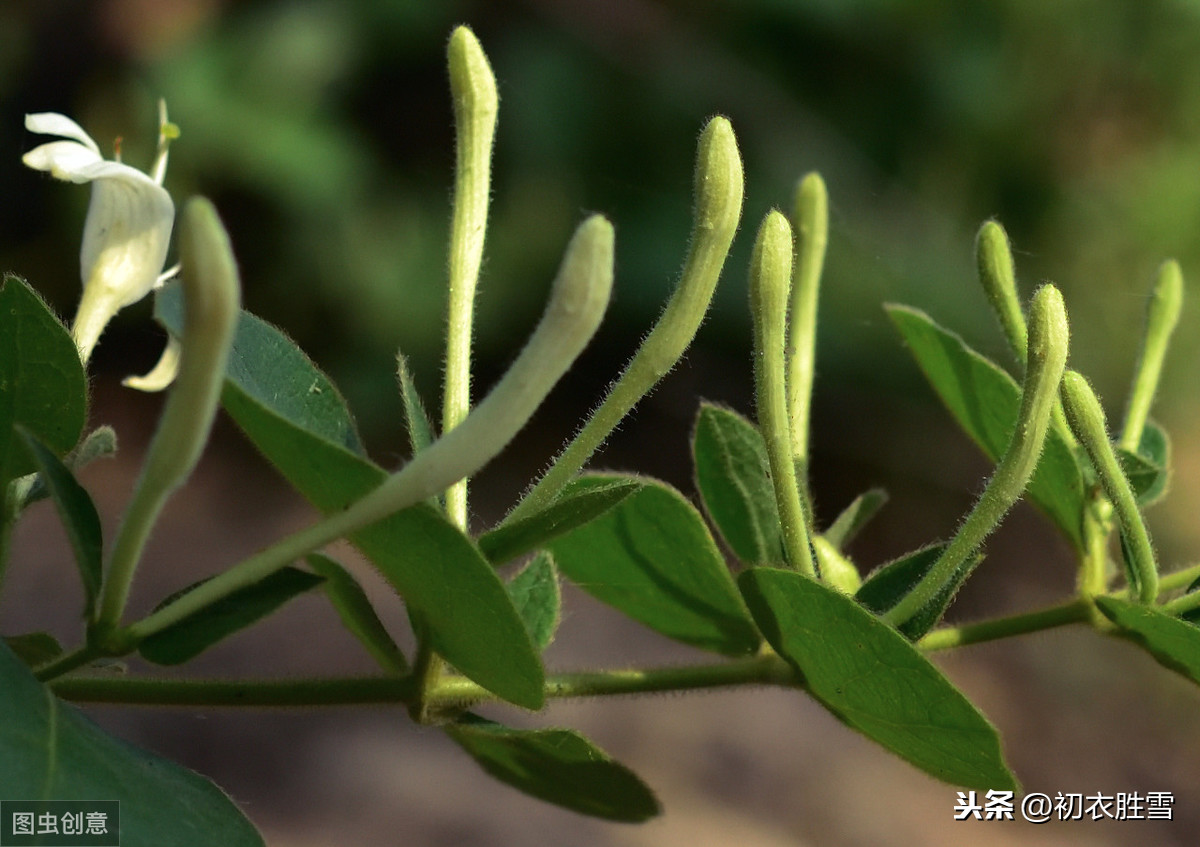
[211, 296]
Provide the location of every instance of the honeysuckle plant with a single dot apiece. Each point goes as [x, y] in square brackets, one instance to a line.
[749, 576]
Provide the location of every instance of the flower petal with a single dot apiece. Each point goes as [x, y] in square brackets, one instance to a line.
[125, 242]
[52, 123]
[162, 374]
[126, 233]
[67, 160]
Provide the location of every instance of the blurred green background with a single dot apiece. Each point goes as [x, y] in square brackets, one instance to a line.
[323, 132]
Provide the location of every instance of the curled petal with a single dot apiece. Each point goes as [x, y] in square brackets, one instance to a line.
[52, 123]
[162, 374]
[66, 160]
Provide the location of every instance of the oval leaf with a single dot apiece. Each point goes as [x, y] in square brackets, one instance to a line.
[570, 510]
[97, 444]
[653, 558]
[34, 648]
[874, 680]
[535, 593]
[196, 633]
[49, 751]
[78, 515]
[1149, 469]
[1174, 643]
[42, 384]
[441, 575]
[559, 766]
[888, 584]
[357, 614]
[268, 366]
[854, 517]
[733, 476]
[985, 401]
[420, 430]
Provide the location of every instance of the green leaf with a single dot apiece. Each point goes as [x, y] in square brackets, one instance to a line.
[34, 648]
[100, 443]
[50, 751]
[559, 766]
[78, 515]
[985, 401]
[1148, 470]
[420, 430]
[197, 632]
[1175, 644]
[572, 509]
[42, 384]
[653, 558]
[357, 614]
[854, 517]
[535, 593]
[441, 575]
[874, 680]
[888, 584]
[1192, 615]
[267, 366]
[733, 477]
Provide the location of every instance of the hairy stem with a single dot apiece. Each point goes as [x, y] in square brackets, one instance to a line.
[1074, 611]
[452, 693]
[718, 206]
[12, 499]
[1047, 355]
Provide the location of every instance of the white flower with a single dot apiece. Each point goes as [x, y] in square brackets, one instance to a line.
[128, 223]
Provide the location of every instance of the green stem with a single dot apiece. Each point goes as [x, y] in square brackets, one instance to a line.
[1162, 316]
[458, 692]
[1074, 611]
[1087, 420]
[10, 510]
[1047, 355]
[770, 278]
[67, 662]
[1179, 579]
[476, 103]
[718, 205]
[211, 303]
[1097, 525]
[1181, 605]
[427, 672]
[810, 218]
[453, 693]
